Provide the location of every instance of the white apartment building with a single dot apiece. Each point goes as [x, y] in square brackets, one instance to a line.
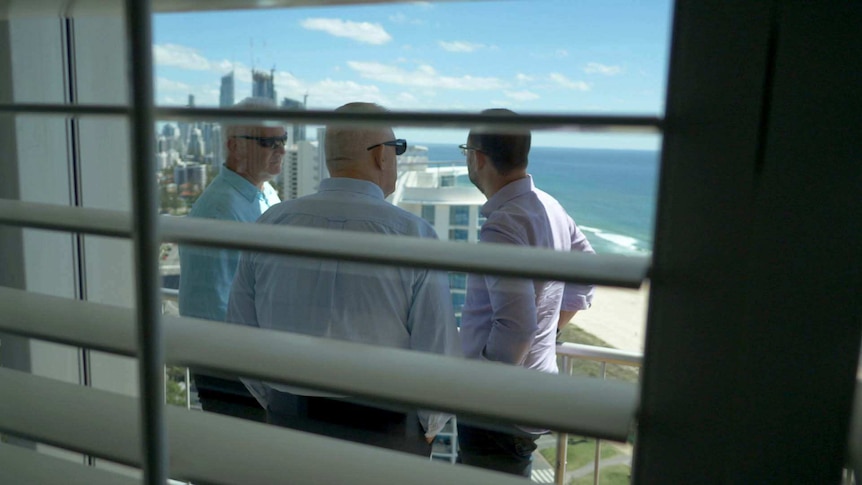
[440, 193]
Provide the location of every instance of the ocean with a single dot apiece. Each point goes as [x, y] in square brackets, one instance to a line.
[611, 194]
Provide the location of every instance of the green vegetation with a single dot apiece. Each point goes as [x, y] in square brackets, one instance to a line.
[574, 334]
[580, 452]
[175, 393]
[612, 475]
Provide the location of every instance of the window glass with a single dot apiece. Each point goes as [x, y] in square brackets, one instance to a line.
[458, 234]
[428, 213]
[457, 301]
[586, 58]
[459, 215]
[457, 281]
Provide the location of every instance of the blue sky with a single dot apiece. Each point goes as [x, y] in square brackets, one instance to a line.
[572, 56]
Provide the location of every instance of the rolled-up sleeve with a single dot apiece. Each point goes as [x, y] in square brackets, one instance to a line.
[578, 296]
[513, 305]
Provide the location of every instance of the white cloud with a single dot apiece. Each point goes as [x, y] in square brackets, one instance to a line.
[523, 78]
[568, 83]
[364, 32]
[521, 95]
[596, 68]
[400, 18]
[165, 84]
[182, 57]
[424, 76]
[174, 55]
[460, 46]
[330, 93]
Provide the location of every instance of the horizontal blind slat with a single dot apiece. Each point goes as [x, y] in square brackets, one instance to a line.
[101, 8]
[208, 447]
[566, 122]
[497, 259]
[580, 405]
[23, 466]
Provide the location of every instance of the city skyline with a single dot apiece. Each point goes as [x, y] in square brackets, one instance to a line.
[421, 56]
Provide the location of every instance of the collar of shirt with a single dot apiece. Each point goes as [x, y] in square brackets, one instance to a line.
[508, 192]
[344, 184]
[241, 185]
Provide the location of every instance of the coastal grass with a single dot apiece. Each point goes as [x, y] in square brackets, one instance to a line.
[579, 453]
[574, 334]
[612, 475]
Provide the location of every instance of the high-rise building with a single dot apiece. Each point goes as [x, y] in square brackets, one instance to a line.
[216, 145]
[262, 85]
[226, 91]
[196, 150]
[301, 173]
[298, 130]
[441, 193]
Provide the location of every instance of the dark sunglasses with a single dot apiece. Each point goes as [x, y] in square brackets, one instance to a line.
[399, 144]
[466, 148]
[266, 141]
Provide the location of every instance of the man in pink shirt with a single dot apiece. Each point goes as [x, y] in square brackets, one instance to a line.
[509, 320]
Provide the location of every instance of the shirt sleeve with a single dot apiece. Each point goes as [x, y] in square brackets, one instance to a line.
[513, 306]
[207, 274]
[431, 322]
[578, 296]
[240, 308]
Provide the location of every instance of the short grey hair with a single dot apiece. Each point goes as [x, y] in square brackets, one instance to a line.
[229, 128]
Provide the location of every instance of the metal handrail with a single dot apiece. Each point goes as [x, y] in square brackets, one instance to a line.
[567, 353]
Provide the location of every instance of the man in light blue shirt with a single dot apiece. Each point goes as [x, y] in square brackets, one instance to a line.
[240, 192]
[391, 306]
[511, 320]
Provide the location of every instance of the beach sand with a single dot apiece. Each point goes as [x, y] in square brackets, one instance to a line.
[618, 316]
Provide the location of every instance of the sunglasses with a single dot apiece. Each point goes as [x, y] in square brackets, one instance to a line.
[466, 148]
[266, 141]
[399, 144]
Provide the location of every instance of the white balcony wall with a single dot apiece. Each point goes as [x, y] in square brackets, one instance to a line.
[100, 73]
[38, 163]
[36, 72]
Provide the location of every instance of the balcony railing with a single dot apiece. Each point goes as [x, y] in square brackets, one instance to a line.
[567, 354]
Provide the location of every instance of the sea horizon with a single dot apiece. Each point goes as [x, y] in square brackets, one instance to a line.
[610, 193]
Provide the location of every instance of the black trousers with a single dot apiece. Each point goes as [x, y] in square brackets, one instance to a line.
[342, 419]
[228, 397]
[508, 452]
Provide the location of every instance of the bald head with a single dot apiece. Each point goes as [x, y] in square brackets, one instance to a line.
[347, 153]
[347, 145]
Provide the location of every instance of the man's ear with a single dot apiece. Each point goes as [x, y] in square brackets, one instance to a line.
[230, 144]
[377, 156]
[481, 160]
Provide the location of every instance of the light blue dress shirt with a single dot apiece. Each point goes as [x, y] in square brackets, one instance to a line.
[406, 308]
[514, 320]
[207, 273]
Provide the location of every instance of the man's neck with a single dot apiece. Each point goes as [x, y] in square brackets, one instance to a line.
[251, 180]
[497, 183]
[356, 174]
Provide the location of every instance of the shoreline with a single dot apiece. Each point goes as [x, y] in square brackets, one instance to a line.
[618, 316]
